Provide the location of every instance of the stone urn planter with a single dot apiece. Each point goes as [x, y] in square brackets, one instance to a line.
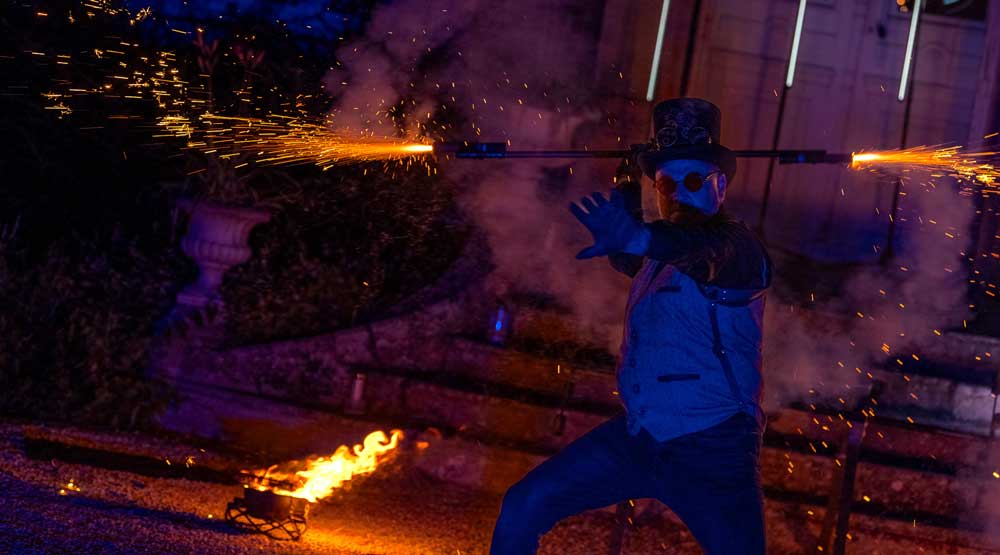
[216, 240]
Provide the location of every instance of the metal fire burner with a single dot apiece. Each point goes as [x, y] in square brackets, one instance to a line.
[279, 517]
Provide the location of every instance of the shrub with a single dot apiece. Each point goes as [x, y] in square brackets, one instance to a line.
[75, 331]
[354, 243]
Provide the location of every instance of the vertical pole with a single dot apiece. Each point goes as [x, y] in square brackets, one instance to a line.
[911, 41]
[762, 215]
[832, 505]
[841, 496]
[833, 537]
[689, 51]
[793, 57]
[854, 440]
[657, 51]
[909, 70]
[996, 392]
[890, 239]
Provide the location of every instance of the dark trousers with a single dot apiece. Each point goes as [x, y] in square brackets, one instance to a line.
[710, 479]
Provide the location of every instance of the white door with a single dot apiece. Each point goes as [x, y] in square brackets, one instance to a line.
[844, 99]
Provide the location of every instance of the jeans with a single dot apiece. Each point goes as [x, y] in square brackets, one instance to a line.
[710, 479]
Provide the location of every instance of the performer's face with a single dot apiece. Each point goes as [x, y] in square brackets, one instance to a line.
[685, 184]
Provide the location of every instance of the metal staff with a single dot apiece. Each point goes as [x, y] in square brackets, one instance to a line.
[484, 151]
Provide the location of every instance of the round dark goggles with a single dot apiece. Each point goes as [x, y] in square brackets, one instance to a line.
[694, 181]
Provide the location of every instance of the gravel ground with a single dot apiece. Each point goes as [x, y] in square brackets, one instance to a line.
[395, 511]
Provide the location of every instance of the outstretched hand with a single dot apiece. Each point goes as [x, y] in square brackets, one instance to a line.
[613, 228]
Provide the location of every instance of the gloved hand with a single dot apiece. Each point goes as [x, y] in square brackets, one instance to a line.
[613, 227]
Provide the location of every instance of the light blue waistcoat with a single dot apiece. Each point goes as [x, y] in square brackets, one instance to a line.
[691, 353]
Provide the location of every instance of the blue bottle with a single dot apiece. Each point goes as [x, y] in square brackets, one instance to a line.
[500, 325]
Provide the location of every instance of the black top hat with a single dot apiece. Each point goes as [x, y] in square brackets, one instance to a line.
[687, 129]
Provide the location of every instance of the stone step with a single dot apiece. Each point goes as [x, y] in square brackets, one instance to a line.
[796, 463]
[949, 385]
[557, 328]
[535, 420]
[583, 380]
[894, 436]
[913, 467]
[821, 430]
[959, 399]
[935, 401]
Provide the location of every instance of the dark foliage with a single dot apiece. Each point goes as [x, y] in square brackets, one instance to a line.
[87, 262]
[86, 267]
[75, 332]
[89, 257]
[356, 241]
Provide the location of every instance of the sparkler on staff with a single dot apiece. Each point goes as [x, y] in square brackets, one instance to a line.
[283, 140]
[979, 167]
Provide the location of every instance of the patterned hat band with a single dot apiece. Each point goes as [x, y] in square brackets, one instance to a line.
[671, 134]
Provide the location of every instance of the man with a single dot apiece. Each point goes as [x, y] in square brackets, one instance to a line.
[689, 371]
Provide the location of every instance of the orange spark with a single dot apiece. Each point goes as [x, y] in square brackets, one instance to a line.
[980, 167]
[284, 140]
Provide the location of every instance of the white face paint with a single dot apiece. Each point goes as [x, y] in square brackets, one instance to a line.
[707, 199]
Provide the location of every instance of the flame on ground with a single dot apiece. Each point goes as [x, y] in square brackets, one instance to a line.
[323, 475]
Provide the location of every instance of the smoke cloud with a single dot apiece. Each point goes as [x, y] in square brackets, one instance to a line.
[824, 348]
[516, 72]
[523, 72]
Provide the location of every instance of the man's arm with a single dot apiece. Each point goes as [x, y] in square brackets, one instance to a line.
[719, 251]
[628, 264]
[722, 252]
